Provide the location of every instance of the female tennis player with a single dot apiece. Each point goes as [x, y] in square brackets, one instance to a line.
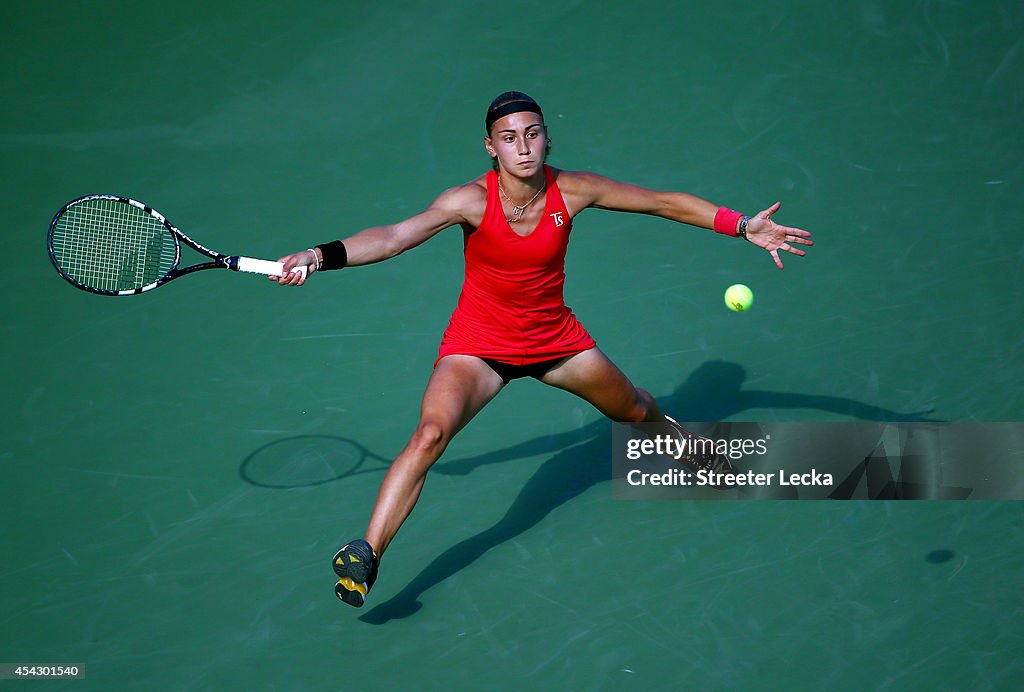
[511, 320]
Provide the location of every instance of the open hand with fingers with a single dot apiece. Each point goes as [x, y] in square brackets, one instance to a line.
[764, 232]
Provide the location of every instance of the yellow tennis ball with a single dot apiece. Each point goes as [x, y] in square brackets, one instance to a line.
[739, 298]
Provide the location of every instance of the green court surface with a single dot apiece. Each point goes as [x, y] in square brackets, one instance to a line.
[176, 466]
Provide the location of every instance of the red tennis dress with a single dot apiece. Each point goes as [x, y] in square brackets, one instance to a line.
[512, 307]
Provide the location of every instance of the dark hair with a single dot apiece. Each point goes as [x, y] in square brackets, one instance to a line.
[508, 103]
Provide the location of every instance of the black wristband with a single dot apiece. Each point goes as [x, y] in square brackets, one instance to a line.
[335, 255]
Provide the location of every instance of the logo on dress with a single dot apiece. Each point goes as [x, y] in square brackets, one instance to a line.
[557, 217]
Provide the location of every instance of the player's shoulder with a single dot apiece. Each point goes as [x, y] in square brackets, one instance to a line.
[467, 193]
[578, 181]
[579, 178]
[463, 202]
[581, 188]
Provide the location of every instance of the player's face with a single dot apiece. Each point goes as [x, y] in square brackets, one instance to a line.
[520, 142]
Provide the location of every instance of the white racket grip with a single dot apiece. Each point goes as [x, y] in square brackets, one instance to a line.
[258, 266]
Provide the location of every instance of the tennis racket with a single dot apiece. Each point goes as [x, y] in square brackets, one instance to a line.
[115, 246]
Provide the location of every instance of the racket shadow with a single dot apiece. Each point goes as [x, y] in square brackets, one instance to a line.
[713, 392]
[306, 461]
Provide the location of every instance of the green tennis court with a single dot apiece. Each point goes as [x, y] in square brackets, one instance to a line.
[179, 467]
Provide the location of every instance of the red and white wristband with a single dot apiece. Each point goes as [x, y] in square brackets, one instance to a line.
[732, 223]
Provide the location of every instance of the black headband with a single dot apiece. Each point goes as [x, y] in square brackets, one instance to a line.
[510, 108]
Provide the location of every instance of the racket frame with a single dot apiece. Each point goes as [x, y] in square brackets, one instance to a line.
[219, 261]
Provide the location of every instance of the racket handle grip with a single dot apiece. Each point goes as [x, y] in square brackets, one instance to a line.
[258, 266]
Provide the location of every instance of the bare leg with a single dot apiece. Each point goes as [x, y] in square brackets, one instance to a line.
[592, 376]
[458, 388]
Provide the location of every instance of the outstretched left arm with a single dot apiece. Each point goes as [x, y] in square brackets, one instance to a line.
[590, 190]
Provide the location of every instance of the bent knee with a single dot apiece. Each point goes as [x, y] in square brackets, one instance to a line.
[641, 409]
[636, 414]
[430, 437]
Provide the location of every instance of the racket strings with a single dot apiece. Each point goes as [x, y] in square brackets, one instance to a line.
[114, 246]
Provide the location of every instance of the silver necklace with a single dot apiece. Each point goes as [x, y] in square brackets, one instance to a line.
[517, 209]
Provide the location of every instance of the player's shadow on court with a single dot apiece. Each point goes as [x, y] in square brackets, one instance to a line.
[714, 392]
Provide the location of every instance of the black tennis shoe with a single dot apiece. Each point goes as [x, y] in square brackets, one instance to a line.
[699, 455]
[356, 567]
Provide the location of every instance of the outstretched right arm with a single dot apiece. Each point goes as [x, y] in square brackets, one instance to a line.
[379, 243]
